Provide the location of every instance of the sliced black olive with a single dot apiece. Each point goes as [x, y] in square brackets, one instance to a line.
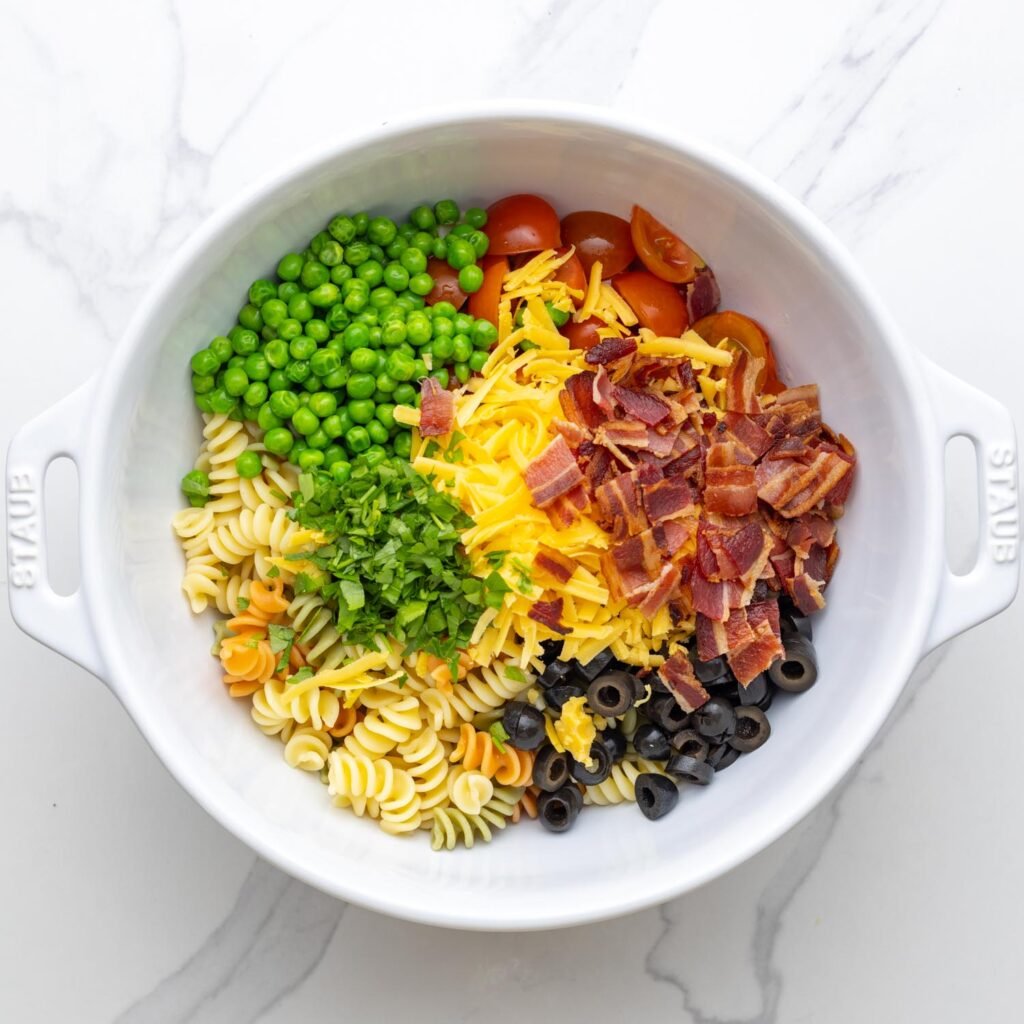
[654, 681]
[690, 743]
[721, 756]
[664, 711]
[689, 769]
[709, 671]
[656, 794]
[651, 741]
[524, 725]
[797, 669]
[793, 623]
[766, 701]
[555, 673]
[595, 666]
[597, 771]
[556, 696]
[559, 810]
[715, 720]
[612, 694]
[614, 741]
[550, 650]
[755, 690]
[752, 729]
[550, 769]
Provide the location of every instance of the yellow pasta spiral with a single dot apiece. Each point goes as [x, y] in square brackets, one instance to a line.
[469, 791]
[307, 748]
[385, 727]
[619, 786]
[425, 759]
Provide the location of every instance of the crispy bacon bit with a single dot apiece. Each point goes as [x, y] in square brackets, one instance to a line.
[641, 405]
[553, 473]
[619, 500]
[750, 659]
[746, 551]
[702, 295]
[809, 530]
[709, 598]
[806, 594]
[662, 446]
[549, 613]
[660, 591]
[750, 438]
[602, 392]
[647, 369]
[437, 409]
[711, 638]
[741, 383]
[599, 465]
[577, 401]
[671, 535]
[566, 509]
[792, 487]
[730, 489]
[574, 434]
[608, 350]
[549, 563]
[678, 675]
[621, 433]
[668, 499]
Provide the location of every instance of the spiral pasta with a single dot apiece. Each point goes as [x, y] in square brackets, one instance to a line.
[469, 790]
[307, 748]
[376, 787]
[426, 760]
[299, 702]
[483, 689]
[511, 767]
[619, 786]
[450, 826]
[385, 727]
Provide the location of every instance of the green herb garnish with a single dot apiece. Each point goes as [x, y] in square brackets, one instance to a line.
[515, 673]
[499, 735]
[281, 640]
[273, 572]
[304, 673]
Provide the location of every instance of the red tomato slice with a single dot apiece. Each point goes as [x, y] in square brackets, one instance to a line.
[583, 335]
[599, 236]
[521, 223]
[483, 303]
[750, 335]
[446, 284]
[572, 273]
[657, 304]
[661, 251]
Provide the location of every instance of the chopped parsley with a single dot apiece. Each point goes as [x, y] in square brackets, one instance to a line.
[515, 673]
[304, 673]
[499, 735]
[281, 640]
[273, 572]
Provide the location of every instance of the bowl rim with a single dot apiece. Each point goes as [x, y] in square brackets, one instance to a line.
[227, 808]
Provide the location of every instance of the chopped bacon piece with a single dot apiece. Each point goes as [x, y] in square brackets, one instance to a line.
[730, 489]
[574, 434]
[566, 509]
[814, 564]
[553, 473]
[549, 613]
[806, 594]
[678, 675]
[553, 564]
[765, 611]
[637, 560]
[662, 446]
[618, 500]
[741, 383]
[711, 638]
[671, 535]
[660, 591]
[750, 438]
[599, 464]
[646, 369]
[437, 408]
[608, 350]
[746, 552]
[709, 598]
[793, 488]
[702, 295]
[621, 433]
[641, 405]
[668, 499]
[808, 530]
[750, 659]
[602, 392]
[797, 411]
[577, 401]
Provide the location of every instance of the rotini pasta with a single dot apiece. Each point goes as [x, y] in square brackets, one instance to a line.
[450, 825]
[511, 767]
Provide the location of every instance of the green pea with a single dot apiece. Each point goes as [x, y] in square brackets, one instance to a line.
[195, 485]
[377, 253]
[297, 370]
[332, 426]
[442, 348]
[361, 410]
[356, 301]
[268, 333]
[446, 211]
[244, 342]
[423, 240]
[441, 327]
[386, 384]
[442, 309]
[221, 349]
[440, 375]
[203, 403]
[485, 334]
[305, 421]
[298, 446]
[290, 267]
[301, 347]
[318, 241]
[385, 413]
[221, 402]
[317, 330]
[462, 348]
[342, 229]
[341, 471]
[356, 336]
[286, 289]
[400, 366]
[396, 276]
[477, 360]
[405, 394]
[236, 361]
[366, 316]
[371, 272]
[413, 260]
[257, 367]
[362, 222]
[423, 218]
[421, 284]
[266, 419]
[274, 311]
[361, 385]
[314, 274]
[337, 379]
[203, 383]
[393, 334]
[403, 445]
[324, 295]
[382, 298]
[300, 308]
[462, 230]
[333, 453]
[340, 274]
[405, 302]
[260, 291]
[345, 419]
[475, 217]
[381, 230]
[462, 372]
[480, 242]
[357, 253]
[323, 403]
[357, 439]
[303, 398]
[311, 383]
[235, 381]
[463, 323]
[204, 362]
[374, 456]
[419, 370]
[289, 329]
[255, 394]
[337, 318]
[248, 465]
[318, 439]
[310, 459]
[395, 248]
[559, 316]
[324, 362]
[331, 254]
[278, 381]
[406, 230]
[378, 432]
[363, 360]
[471, 279]
[439, 250]
[460, 253]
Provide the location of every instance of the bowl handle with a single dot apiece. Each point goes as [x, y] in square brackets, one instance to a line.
[60, 622]
[962, 410]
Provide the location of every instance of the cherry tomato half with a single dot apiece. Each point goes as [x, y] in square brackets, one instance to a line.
[661, 251]
[483, 303]
[657, 304]
[583, 335]
[750, 335]
[572, 273]
[522, 223]
[446, 284]
[599, 236]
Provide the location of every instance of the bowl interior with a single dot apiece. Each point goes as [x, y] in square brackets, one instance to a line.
[770, 265]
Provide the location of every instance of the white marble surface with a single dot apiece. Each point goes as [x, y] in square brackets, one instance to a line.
[898, 122]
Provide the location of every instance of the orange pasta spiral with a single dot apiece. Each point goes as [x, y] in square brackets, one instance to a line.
[476, 751]
[344, 723]
[246, 657]
[527, 805]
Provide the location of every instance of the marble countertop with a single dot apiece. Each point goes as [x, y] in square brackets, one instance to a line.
[896, 121]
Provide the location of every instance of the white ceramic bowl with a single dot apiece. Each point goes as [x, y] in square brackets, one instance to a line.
[134, 431]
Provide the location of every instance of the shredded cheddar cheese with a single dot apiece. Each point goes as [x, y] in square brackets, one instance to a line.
[575, 729]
